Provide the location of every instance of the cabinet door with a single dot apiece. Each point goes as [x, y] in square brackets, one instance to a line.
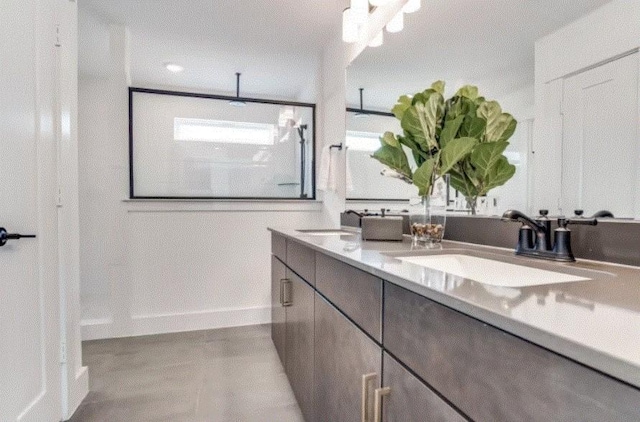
[491, 375]
[410, 400]
[299, 341]
[278, 314]
[600, 141]
[343, 355]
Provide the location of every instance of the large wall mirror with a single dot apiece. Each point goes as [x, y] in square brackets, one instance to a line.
[492, 44]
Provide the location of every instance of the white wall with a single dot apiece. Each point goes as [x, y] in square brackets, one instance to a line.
[75, 385]
[150, 267]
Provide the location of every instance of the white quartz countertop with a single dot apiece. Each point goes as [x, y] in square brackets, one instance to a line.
[595, 322]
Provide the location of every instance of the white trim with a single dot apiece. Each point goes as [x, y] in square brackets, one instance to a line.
[141, 325]
[137, 206]
[78, 390]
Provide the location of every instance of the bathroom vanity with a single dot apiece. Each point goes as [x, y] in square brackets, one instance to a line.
[374, 331]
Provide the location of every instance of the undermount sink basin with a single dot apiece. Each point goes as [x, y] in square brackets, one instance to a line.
[329, 232]
[489, 271]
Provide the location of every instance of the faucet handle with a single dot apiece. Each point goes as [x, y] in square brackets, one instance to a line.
[564, 222]
[579, 213]
[544, 213]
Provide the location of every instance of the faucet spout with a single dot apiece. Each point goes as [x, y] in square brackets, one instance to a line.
[518, 216]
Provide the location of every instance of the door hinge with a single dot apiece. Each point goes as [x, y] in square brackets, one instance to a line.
[63, 353]
[58, 43]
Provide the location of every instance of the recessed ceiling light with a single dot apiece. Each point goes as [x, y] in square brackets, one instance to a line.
[172, 67]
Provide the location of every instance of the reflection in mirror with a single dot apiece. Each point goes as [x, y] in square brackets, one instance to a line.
[364, 129]
[457, 41]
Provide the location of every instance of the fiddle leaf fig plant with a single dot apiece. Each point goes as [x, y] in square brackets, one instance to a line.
[464, 137]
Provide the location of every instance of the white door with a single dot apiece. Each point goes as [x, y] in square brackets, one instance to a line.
[29, 292]
[600, 145]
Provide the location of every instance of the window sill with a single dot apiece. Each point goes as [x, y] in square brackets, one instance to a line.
[222, 205]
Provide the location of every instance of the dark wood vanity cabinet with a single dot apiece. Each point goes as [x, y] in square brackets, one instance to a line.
[492, 375]
[278, 311]
[351, 335]
[409, 399]
[299, 340]
[356, 293]
[347, 367]
[292, 326]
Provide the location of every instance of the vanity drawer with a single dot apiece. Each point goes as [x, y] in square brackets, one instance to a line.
[354, 292]
[302, 261]
[494, 376]
[279, 246]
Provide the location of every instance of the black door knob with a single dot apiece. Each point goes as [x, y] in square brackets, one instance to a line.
[5, 236]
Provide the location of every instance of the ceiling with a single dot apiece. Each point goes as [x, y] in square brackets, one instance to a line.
[275, 44]
[489, 43]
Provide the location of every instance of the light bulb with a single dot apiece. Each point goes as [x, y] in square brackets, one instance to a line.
[349, 27]
[359, 11]
[412, 6]
[377, 40]
[172, 67]
[396, 24]
[379, 2]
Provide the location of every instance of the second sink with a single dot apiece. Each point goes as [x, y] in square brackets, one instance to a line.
[489, 271]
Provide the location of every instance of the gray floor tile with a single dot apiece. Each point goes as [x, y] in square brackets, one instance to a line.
[225, 375]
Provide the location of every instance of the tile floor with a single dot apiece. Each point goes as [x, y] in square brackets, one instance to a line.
[226, 375]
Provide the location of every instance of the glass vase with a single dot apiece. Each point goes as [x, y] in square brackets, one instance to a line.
[428, 215]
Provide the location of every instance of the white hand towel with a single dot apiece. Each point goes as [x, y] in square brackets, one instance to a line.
[324, 176]
[348, 176]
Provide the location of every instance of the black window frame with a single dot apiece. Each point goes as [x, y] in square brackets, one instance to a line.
[132, 195]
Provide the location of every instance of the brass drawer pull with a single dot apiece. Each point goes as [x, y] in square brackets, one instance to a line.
[366, 379]
[377, 404]
[285, 292]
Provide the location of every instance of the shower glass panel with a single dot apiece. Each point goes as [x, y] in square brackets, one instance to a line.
[192, 146]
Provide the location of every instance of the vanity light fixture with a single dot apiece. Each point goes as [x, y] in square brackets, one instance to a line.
[377, 40]
[412, 6]
[355, 17]
[350, 31]
[378, 2]
[396, 24]
[359, 11]
[174, 68]
[237, 102]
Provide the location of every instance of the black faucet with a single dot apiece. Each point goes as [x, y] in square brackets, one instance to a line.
[599, 214]
[561, 250]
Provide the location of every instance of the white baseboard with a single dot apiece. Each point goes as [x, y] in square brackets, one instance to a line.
[78, 390]
[140, 325]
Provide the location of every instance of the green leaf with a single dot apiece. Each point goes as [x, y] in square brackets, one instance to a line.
[450, 130]
[473, 127]
[485, 157]
[438, 86]
[510, 130]
[394, 158]
[390, 139]
[468, 91]
[411, 125]
[422, 121]
[418, 155]
[500, 174]
[423, 176]
[404, 102]
[455, 150]
[500, 126]
[460, 182]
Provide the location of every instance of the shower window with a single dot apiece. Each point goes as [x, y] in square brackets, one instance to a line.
[193, 146]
